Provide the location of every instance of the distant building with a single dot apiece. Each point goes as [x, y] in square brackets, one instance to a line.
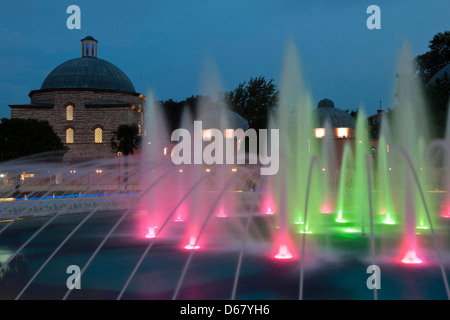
[374, 124]
[341, 124]
[335, 126]
[85, 99]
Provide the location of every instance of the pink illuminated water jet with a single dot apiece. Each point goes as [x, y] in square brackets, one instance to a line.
[411, 258]
[221, 214]
[325, 209]
[192, 245]
[151, 233]
[283, 253]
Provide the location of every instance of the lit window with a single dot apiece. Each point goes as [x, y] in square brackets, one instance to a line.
[98, 135]
[69, 135]
[229, 133]
[342, 132]
[207, 134]
[320, 132]
[69, 113]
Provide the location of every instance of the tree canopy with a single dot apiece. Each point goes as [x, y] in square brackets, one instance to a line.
[436, 58]
[437, 94]
[254, 100]
[126, 139]
[23, 137]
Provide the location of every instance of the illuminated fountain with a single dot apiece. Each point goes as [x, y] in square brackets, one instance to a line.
[173, 224]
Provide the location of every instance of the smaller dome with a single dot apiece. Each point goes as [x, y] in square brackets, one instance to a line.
[222, 119]
[440, 74]
[325, 103]
[337, 118]
[89, 38]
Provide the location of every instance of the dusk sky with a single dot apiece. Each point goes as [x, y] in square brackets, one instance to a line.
[164, 45]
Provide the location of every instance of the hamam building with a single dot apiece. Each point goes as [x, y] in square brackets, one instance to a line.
[85, 100]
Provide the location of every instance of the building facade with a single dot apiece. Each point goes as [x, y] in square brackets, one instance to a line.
[85, 100]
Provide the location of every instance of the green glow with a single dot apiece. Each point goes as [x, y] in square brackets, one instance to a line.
[339, 218]
[388, 219]
[384, 184]
[350, 230]
[345, 166]
[305, 230]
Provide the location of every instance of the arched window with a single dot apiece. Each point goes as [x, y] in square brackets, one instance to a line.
[69, 135]
[98, 135]
[69, 113]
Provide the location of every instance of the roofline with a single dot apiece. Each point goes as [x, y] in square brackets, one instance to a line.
[136, 94]
[33, 105]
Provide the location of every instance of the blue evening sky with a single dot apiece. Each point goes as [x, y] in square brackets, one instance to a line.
[165, 45]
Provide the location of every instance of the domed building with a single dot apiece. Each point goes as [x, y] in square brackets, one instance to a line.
[339, 121]
[442, 75]
[85, 100]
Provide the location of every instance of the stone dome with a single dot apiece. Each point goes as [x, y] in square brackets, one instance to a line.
[337, 118]
[223, 119]
[88, 72]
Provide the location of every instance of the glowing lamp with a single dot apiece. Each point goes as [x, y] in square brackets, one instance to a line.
[207, 134]
[229, 133]
[319, 132]
[269, 211]
[342, 132]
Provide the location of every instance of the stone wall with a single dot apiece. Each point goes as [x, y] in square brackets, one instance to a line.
[91, 109]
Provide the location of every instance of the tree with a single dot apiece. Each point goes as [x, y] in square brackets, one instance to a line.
[436, 58]
[23, 137]
[437, 93]
[126, 139]
[254, 100]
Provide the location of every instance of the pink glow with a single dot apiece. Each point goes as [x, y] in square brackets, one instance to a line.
[151, 233]
[411, 258]
[192, 245]
[221, 214]
[269, 211]
[325, 209]
[446, 211]
[179, 219]
[283, 253]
